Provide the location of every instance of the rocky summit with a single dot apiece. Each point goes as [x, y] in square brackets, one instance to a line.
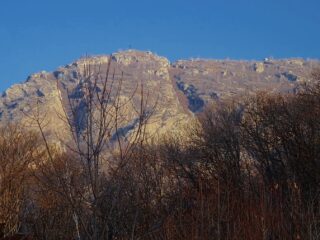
[175, 91]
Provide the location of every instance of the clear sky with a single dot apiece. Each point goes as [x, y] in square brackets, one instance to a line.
[40, 35]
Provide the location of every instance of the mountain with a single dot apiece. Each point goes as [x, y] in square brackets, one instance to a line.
[176, 92]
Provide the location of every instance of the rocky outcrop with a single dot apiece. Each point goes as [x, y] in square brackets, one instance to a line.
[176, 90]
[259, 67]
[223, 79]
[48, 94]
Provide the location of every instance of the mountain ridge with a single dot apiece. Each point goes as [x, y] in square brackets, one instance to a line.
[181, 88]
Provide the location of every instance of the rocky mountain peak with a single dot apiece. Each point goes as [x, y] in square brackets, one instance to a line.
[135, 56]
[180, 89]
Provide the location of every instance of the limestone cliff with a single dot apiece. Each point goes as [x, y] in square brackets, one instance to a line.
[176, 91]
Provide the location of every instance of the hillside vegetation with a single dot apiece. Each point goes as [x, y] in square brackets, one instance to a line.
[247, 168]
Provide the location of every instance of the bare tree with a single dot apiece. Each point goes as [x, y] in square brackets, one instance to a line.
[99, 144]
[17, 158]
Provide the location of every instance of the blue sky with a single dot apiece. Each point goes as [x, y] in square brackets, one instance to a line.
[40, 35]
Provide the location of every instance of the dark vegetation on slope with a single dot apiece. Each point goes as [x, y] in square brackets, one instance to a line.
[249, 169]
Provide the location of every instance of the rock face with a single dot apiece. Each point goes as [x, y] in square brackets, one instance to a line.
[259, 67]
[38, 97]
[176, 91]
[222, 79]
